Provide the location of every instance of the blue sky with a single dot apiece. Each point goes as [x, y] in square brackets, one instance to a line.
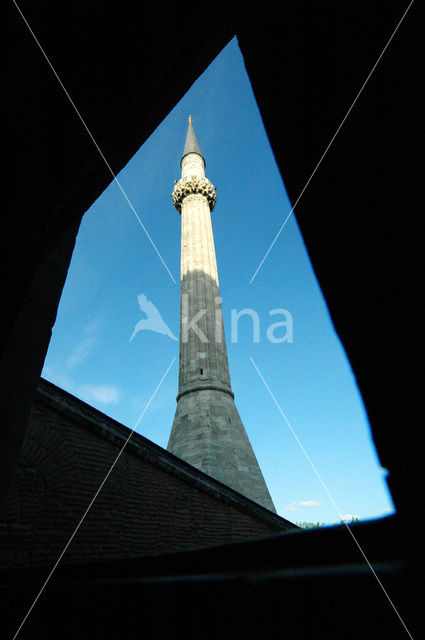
[90, 354]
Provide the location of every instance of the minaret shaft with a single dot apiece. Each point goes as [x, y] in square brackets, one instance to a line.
[203, 354]
[207, 430]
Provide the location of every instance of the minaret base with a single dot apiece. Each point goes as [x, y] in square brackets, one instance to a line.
[208, 433]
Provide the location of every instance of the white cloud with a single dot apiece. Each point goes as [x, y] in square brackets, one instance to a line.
[348, 517]
[99, 393]
[81, 351]
[304, 503]
[59, 379]
[86, 345]
[105, 393]
[292, 506]
[310, 503]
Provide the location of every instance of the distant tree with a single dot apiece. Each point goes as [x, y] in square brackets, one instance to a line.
[317, 525]
[352, 521]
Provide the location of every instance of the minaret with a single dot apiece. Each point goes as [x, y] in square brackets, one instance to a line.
[207, 430]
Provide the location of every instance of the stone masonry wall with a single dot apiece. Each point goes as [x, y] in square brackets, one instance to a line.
[151, 502]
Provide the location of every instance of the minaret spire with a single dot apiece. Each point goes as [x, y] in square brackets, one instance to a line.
[207, 430]
[191, 144]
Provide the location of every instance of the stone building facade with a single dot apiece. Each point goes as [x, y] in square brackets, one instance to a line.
[152, 502]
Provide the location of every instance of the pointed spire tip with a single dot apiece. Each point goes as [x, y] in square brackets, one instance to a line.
[191, 144]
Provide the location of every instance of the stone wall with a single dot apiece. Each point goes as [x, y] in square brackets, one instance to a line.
[152, 502]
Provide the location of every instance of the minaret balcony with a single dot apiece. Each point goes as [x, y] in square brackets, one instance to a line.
[190, 185]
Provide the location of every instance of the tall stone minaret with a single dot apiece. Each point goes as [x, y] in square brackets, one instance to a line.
[207, 430]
